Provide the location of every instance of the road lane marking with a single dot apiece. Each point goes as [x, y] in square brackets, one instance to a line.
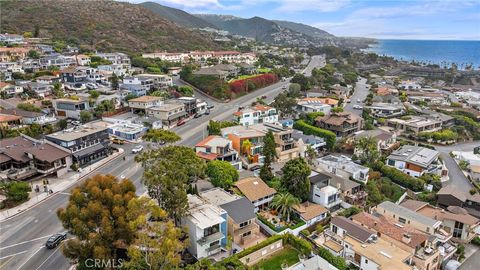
[30, 257]
[49, 256]
[18, 253]
[65, 193]
[28, 241]
[6, 262]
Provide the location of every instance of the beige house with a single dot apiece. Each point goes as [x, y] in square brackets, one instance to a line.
[169, 113]
[141, 104]
[256, 191]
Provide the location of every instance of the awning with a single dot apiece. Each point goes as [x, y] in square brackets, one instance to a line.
[89, 150]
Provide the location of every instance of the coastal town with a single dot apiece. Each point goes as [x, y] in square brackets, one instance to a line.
[256, 155]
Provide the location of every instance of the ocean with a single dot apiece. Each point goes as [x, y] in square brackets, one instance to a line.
[441, 52]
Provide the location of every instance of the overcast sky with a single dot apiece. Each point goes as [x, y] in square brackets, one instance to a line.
[400, 19]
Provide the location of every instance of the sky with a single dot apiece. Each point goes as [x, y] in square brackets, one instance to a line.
[384, 19]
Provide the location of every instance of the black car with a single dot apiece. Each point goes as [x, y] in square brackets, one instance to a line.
[255, 167]
[210, 106]
[55, 240]
[197, 115]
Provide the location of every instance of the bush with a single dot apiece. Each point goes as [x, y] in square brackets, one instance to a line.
[29, 107]
[476, 241]
[307, 129]
[221, 173]
[17, 191]
[253, 83]
[302, 245]
[402, 179]
[350, 212]
[338, 262]
[305, 232]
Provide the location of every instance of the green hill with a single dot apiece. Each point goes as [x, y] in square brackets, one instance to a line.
[102, 25]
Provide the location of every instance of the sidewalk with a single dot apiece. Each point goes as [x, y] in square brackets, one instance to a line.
[57, 185]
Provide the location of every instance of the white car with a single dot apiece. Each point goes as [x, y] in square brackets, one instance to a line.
[137, 149]
[358, 107]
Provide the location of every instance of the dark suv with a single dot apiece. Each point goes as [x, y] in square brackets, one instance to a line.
[55, 240]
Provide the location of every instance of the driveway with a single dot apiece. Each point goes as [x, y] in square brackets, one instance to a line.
[360, 93]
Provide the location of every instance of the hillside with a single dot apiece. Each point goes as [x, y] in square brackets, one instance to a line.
[102, 25]
[177, 16]
[217, 20]
[305, 29]
[256, 27]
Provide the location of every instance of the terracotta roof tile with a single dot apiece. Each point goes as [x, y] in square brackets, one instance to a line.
[254, 188]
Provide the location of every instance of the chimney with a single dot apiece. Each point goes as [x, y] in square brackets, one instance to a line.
[406, 238]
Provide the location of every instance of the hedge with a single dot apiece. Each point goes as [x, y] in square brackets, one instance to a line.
[403, 179]
[261, 245]
[338, 262]
[476, 241]
[298, 223]
[302, 245]
[307, 129]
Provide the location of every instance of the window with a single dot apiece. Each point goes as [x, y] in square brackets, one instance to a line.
[457, 231]
[366, 261]
[243, 224]
[246, 234]
[391, 162]
[211, 230]
[334, 229]
[401, 220]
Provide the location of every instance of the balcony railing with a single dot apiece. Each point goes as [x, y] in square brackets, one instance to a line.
[210, 238]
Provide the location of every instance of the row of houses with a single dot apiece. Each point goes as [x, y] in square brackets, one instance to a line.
[203, 56]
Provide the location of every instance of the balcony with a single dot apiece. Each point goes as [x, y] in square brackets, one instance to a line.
[213, 249]
[249, 227]
[210, 238]
[358, 197]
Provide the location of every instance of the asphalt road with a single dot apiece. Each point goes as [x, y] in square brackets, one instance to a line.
[360, 93]
[22, 237]
[315, 62]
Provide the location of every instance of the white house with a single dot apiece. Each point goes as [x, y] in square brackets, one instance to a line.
[321, 193]
[343, 166]
[207, 227]
[415, 160]
[257, 114]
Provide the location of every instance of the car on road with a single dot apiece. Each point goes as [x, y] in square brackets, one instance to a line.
[264, 97]
[117, 141]
[137, 149]
[198, 115]
[55, 240]
[210, 106]
[359, 101]
[91, 86]
[180, 122]
[76, 123]
[254, 168]
[284, 87]
[358, 107]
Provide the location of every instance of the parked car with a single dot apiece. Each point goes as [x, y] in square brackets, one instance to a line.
[359, 101]
[137, 149]
[118, 141]
[76, 123]
[55, 240]
[181, 122]
[197, 115]
[358, 107]
[207, 112]
[210, 106]
[254, 168]
[91, 86]
[264, 97]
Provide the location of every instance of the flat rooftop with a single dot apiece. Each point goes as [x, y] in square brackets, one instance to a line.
[203, 214]
[77, 132]
[218, 196]
[415, 154]
[409, 214]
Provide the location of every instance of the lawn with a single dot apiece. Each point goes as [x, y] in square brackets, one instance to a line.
[274, 262]
[263, 70]
[243, 77]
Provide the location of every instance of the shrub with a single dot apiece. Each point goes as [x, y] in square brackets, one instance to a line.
[402, 179]
[350, 212]
[17, 191]
[338, 262]
[476, 241]
[302, 245]
[305, 232]
[307, 129]
[29, 107]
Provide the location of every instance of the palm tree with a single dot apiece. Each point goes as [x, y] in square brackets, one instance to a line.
[246, 145]
[284, 203]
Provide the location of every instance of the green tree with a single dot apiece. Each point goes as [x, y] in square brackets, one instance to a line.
[284, 104]
[284, 203]
[295, 178]
[270, 153]
[186, 90]
[158, 243]
[28, 107]
[161, 136]
[310, 154]
[221, 173]
[94, 94]
[302, 80]
[167, 172]
[62, 124]
[33, 54]
[58, 91]
[294, 89]
[95, 214]
[114, 81]
[85, 116]
[130, 96]
[15, 192]
[366, 149]
[215, 127]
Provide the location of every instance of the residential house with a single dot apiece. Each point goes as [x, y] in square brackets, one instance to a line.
[82, 59]
[313, 263]
[415, 160]
[425, 255]
[190, 104]
[363, 248]
[125, 130]
[141, 104]
[310, 213]
[409, 85]
[23, 157]
[286, 146]
[169, 112]
[385, 140]
[56, 60]
[256, 191]
[305, 141]
[12, 54]
[386, 110]
[415, 124]
[29, 118]
[247, 68]
[70, 108]
[211, 71]
[48, 79]
[241, 136]
[242, 226]
[11, 39]
[342, 124]
[342, 166]
[40, 89]
[309, 105]
[452, 196]
[207, 227]
[454, 220]
[8, 121]
[138, 86]
[87, 143]
[351, 192]
[117, 58]
[321, 192]
[218, 148]
[160, 81]
[75, 75]
[437, 98]
[257, 114]
[10, 90]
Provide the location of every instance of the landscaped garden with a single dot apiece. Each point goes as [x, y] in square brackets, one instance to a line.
[287, 256]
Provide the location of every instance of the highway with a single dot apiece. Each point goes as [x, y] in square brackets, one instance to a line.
[22, 237]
